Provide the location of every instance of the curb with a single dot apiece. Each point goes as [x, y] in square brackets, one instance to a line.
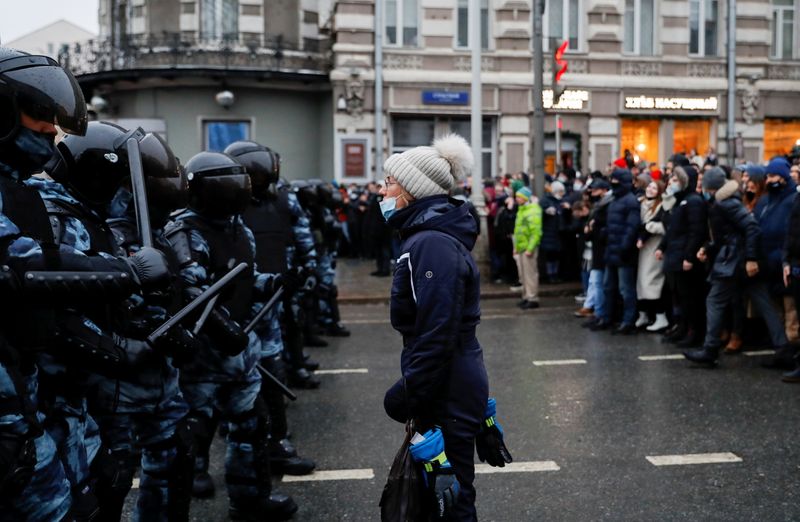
[560, 291]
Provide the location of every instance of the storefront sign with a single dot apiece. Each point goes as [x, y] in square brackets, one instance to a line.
[445, 98]
[569, 101]
[671, 104]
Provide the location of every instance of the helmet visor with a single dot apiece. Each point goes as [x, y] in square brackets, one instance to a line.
[46, 92]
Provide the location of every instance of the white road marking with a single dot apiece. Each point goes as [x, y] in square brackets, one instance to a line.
[339, 371]
[760, 353]
[674, 357]
[559, 362]
[135, 483]
[334, 474]
[368, 321]
[518, 467]
[696, 458]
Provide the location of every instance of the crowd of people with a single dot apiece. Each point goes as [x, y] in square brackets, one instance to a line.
[702, 253]
[148, 306]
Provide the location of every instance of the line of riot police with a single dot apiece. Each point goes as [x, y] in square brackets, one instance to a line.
[89, 394]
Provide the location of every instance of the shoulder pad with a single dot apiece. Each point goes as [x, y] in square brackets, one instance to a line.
[177, 235]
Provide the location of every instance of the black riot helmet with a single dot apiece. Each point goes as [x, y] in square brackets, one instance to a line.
[306, 193]
[327, 194]
[219, 187]
[40, 88]
[262, 163]
[94, 167]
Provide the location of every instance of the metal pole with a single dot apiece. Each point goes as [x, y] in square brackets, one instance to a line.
[537, 169]
[731, 134]
[476, 101]
[557, 162]
[379, 90]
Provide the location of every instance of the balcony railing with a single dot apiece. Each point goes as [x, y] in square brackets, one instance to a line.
[181, 51]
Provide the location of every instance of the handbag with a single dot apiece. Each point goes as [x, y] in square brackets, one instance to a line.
[403, 495]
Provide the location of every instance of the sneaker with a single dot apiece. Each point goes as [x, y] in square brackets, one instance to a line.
[584, 312]
[643, 320]
[580, 298]
[659, 324]
[517, 289]
[599, 326]
[530, 305]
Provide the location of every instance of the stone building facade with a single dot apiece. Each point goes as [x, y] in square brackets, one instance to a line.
[645, 75]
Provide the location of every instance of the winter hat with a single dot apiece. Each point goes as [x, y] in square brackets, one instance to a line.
[714, 179]
[558, 187]
[680, 160]
[656, 174]
[600, 183]
[756, 173]
[780, 167]
[624, 176]
[525, 193]
[645, 178]
[428, 171]
[516, 185]
[621, 163]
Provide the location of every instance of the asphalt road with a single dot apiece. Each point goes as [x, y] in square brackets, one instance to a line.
[582, 414]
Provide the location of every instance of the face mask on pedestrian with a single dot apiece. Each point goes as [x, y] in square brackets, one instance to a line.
[750, 195]
[775, 186]
[577, 186]
[617, 188]
[673, 189]
[388, 207]
[708, 196]
[595, 197]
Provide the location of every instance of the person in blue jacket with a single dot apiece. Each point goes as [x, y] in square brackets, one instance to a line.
[435, 305]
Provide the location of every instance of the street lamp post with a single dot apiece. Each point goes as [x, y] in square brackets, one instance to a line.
[537, 170]
[476, 101]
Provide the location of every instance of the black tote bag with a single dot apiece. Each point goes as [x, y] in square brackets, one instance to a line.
[403, 495]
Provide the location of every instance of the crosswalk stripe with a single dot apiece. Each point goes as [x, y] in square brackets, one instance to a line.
[696, 458]
[368, 321]
[518, 467]
[339, 371]
[760, 353]
[674, 357]
[334, 474]
[135, 484]
[559, 362]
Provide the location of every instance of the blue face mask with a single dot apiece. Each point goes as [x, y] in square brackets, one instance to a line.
[388, 207]
[37, 147]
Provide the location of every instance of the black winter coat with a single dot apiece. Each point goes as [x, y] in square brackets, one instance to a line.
[598, 234]
[624, 218]
[435, 305]
[791, 247]
[551, 224]
[735, 234]
[686, 230]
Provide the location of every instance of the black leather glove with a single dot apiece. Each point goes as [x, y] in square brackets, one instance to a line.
[290, 280]
[150, 268]
[489, 442]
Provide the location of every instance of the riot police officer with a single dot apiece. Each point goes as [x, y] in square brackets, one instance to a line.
[269, 215]
[144, 408]
[35, 95]
[209, 238]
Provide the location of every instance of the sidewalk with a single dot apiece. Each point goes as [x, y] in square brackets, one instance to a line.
[356, 286]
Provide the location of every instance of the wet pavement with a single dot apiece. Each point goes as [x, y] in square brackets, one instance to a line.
[582, 414]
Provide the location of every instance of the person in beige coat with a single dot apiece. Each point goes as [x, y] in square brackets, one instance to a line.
[650, 277]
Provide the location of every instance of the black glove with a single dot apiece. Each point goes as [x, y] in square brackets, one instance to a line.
[489, 442]
[178, 343]
[290, 280]
[150, 268]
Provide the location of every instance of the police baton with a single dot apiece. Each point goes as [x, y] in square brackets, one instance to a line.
[211, 292]
[139, 190]
[286, 391]
[264, 310]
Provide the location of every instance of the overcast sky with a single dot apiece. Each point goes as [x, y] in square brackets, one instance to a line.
[19, 17]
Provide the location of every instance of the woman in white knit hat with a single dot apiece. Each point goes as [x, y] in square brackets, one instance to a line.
[435, 305]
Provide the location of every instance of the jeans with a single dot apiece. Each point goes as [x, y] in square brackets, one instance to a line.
[595, 297]
[724, 292]
[620, 279]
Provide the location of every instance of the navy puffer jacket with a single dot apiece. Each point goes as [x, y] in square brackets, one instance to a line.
[624, 219]
[772, 212]
[435, 305]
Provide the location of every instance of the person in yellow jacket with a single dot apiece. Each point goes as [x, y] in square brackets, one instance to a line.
[527, 236]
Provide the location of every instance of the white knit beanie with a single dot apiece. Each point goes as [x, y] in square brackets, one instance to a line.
[428, 171]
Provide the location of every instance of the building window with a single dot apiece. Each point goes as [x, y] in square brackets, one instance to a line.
[462, 38]
[251, 10]
[639, 27]
[782, 28]
[410, 132]
[402, 22]
[219, 19]
[640, 138]
[563, 22]
[138, 11]
[703, 27]
[187, 8]
[691, 135]
[780, 137]
[218, 134]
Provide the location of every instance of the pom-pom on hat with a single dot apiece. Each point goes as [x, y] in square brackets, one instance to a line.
[428, 171]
